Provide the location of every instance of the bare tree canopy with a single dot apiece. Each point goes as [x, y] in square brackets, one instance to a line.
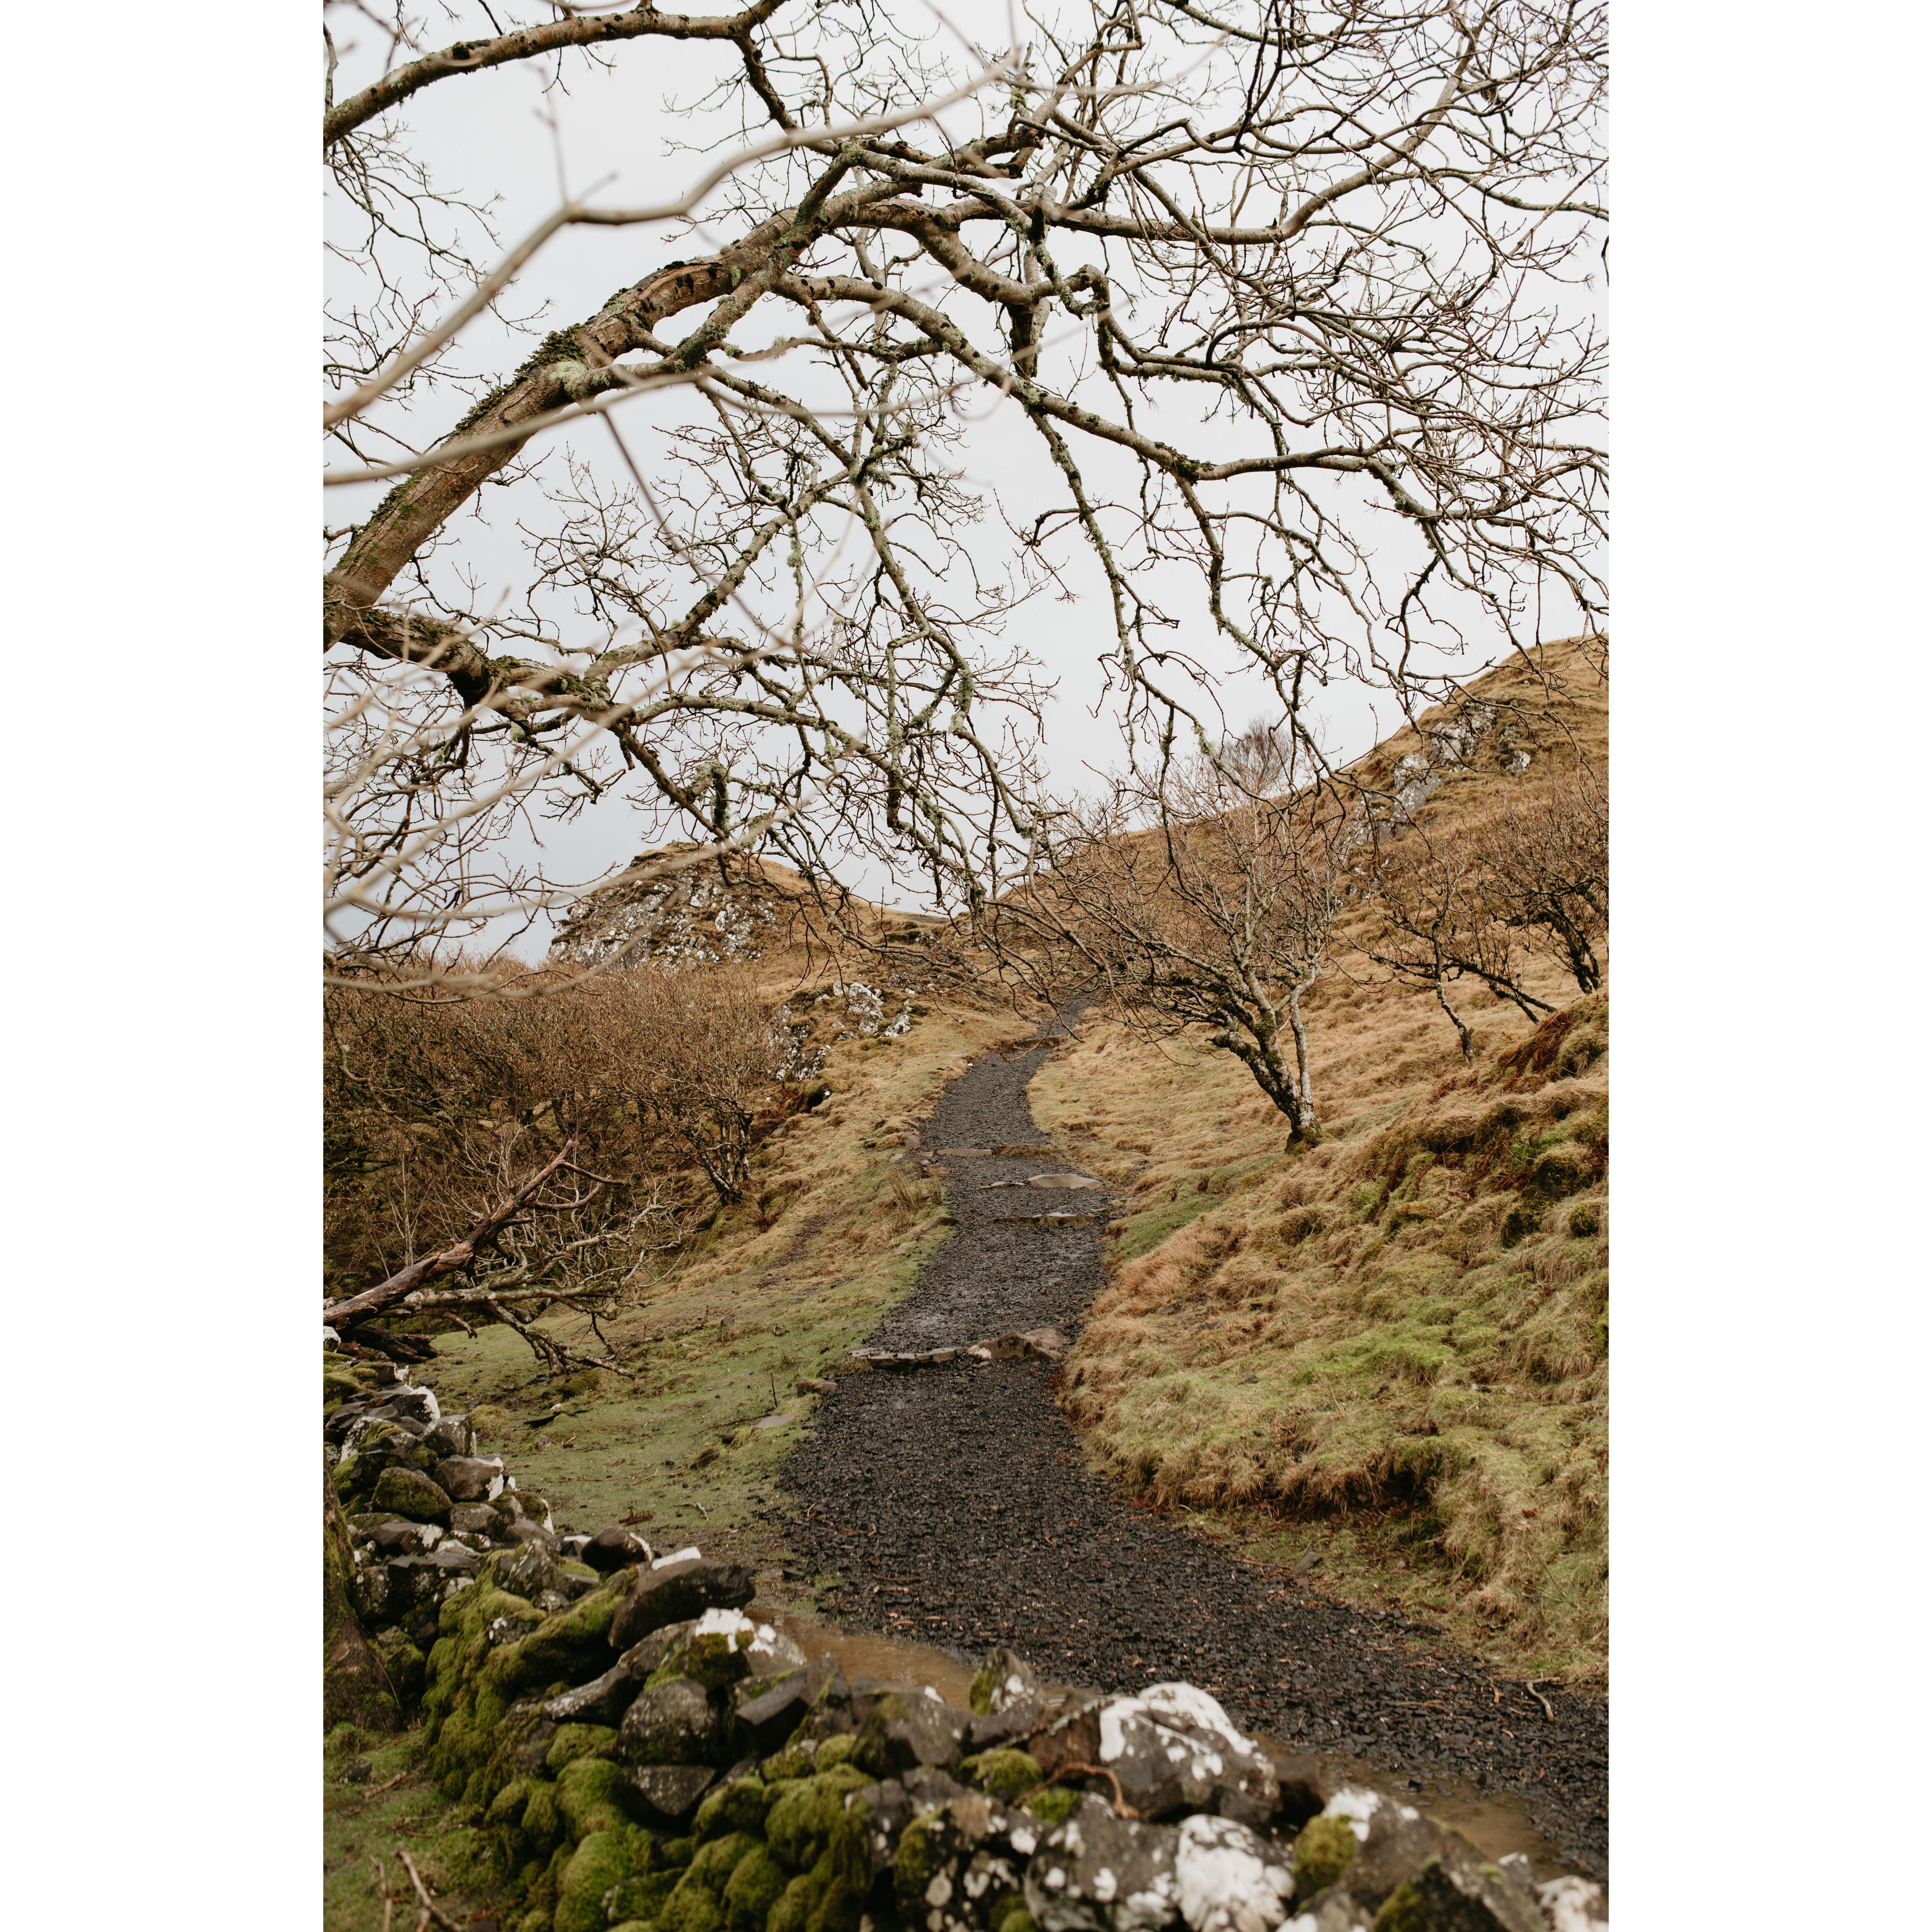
[1280, 297]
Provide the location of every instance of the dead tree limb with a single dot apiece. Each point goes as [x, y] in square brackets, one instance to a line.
[405, 1281]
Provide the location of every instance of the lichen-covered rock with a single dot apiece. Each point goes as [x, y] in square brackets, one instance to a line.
[613, 1549]
[1418, 1872]
[1006, 1678]
[907, 1728]
[670, 1723]
[1572, 1904]
[964, 1864]
[679, 1589]
[1098, 1873]
[470, 1479]
[405, 1492]
[1175, 1750]
[528, 1572]
[452, 1435]
[1230, 1880]
[666, 1794]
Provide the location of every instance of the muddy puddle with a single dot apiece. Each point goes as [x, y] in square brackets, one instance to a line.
[1496, 1823]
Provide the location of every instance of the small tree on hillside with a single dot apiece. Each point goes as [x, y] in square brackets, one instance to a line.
[1546, 867]
[1433, 923]
[1220, 911]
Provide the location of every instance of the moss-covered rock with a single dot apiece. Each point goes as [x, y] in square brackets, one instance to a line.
[804, 1813]
[756, 1882]
[573, 1741]
[405, 1492]
[589, 1795]
[1003, 1774]
[1324, 1851]
[739, 1806]
[603, 1859]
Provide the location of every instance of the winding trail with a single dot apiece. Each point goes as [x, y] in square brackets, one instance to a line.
[955, 1503]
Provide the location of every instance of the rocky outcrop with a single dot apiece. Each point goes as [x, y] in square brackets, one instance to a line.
[645, 1755]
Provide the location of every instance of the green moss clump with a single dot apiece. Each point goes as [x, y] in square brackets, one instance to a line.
[1003, 1774]
[805, 1813]
[835, 1751]
[912, 1866]
[588, 1796]
[542, 1823]
[798, 1759]
[674, 1854]
[981, 1695]
[1015, 1917]
[1325, 1849]
[757, 1883]
[573, 1741]
[604, 1859]
[1052, 1805]
[740, 1806]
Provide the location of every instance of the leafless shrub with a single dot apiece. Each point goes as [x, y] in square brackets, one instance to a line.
[1195, 900]
[702, 1064]
[1431, 923]
[1545, 861]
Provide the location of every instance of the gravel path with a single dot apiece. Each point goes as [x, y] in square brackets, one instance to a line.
[954, 1502]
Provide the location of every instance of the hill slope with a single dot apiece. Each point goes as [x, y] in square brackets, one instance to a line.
[1388, 1351]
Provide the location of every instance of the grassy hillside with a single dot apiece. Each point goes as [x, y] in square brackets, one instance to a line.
[1387, 1352]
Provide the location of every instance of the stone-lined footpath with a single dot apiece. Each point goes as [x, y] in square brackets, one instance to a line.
[643, 1755]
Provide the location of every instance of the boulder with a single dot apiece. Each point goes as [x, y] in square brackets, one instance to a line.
[665, 1795]
[676, 1589]
[1448, 1882]
[905, 1730]
[1571, 1904]
[612, 1548]
[471, 1479]
[671, 1723]
[603, 1700]
[524, 1529]
[473, 1519]
[452, 1435]
[1230, 1880]
[1098, 1873]
[404, 1492]
[1173, 1750]
[962, 1867]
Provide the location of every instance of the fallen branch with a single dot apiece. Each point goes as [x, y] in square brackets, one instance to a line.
[430, 1909]
[1530, 1687]
[1122, 1809]
[406, 1281]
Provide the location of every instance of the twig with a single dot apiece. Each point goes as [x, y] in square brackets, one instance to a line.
[1122, 1809]
[431, 1909]
[1530, 1687]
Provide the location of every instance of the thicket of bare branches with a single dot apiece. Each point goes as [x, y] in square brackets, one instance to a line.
[1450, 907]
[1210, 899]
[1546, 861]
[1278, 297]
[438, 1113]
